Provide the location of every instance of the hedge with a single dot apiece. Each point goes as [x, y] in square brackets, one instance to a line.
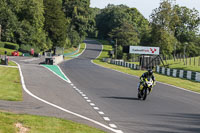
[27, 48]
[2, 44]
[9, 45]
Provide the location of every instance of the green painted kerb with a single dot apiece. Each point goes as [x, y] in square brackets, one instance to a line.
[55, 69]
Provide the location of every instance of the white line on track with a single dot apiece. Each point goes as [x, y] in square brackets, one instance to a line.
[92, 104]
[113, 125]
[106, 118]
[83, 95]
[101, 113]
[96, 108]
[60, 108]
[88, 101]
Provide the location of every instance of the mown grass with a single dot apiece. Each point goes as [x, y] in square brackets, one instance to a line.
[10, 63]
[191, 65]
[40, 124]
[70, 50]
[82, 47]
[10, 85]
[183, 83]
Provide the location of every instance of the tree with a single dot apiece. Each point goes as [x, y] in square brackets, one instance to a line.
[91, 28]
[31, 20]
[125, 24]
[171, 22]
[78, 14]
[55, 23]
[163, 20]
[125, 34]
[22, 22]
[110, 18]
[187, 29]
[8, 21]
[141, 25]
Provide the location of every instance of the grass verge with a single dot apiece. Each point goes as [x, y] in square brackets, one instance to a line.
[70, 50]
[10, 63]
[9, 51]
[179, 64]
[40, 124]
[183, 83]
[10, 88]
[82, 47]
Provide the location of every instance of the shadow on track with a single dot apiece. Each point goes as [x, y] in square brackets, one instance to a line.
[179, 122]
[123, 98]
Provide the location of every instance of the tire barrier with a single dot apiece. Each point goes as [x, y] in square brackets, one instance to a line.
[122, 63]
[190, 75]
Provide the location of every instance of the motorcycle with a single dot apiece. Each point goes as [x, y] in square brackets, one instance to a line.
[145, 88]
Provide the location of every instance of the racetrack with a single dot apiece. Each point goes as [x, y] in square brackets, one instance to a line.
[166, 110]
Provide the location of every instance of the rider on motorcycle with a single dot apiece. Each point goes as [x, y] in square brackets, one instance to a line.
[146, 75]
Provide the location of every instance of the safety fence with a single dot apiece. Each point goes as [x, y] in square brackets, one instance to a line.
[195, 76]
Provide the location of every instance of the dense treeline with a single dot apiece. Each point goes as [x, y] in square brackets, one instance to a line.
[44, 23]
[125, 25]
[173, 28]
[65, 23]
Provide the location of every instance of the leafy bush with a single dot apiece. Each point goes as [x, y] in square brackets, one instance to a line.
[27, 48]
[11, 45]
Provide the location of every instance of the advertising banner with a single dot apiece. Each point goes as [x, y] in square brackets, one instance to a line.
[144, 50]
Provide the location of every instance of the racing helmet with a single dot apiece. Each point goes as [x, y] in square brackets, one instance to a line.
[150, 72]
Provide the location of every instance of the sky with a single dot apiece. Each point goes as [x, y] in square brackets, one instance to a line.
[144, 6]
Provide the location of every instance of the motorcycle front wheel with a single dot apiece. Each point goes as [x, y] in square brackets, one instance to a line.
[144, 94]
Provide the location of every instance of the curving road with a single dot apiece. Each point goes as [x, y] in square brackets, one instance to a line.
[166, 110]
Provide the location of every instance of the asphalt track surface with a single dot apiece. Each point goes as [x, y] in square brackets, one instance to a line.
[49, 87]
[166, 110]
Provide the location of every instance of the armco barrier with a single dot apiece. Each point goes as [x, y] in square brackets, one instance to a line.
[190, 75]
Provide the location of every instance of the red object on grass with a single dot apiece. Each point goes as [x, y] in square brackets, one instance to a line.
[15, 53]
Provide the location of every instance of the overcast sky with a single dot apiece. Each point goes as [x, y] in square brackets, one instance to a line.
[144, 6]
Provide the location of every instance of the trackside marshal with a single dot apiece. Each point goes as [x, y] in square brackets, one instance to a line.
[144, 50]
